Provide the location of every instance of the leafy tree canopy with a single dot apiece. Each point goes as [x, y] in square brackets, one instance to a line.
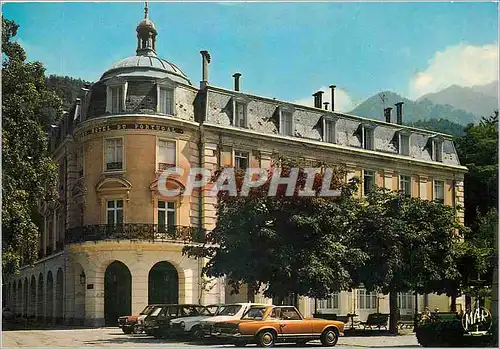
[28, 172]
[291, 244]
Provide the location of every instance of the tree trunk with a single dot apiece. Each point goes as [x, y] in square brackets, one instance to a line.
[393, 306]
[453, 304]
[250, 293]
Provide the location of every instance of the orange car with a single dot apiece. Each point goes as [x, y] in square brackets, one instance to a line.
[267, 325]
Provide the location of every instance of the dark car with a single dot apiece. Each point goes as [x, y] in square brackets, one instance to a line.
[129, 323]
[157, 323]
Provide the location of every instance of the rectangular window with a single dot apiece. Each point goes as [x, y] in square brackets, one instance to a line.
[166, 154]
[367, 300]
[368, 138]
[166, 101]
[439, 191]
[405, 184]
[331, 302]
[166, 215]
[405, 301]
[329, 135]
[368, 181]
[404, 145]
[240, 114]
[114, 154]
[116, 99]
[437, 151]
[286, 123]
[79, 162]
[241, 160]
[115, 212]
[61, 178]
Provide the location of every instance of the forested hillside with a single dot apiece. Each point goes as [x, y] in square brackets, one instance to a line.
[440, 125]
[67, 88]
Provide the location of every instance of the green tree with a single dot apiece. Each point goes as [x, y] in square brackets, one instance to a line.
[478, 150]
[293, 245]
[412, 245]
[28, 173]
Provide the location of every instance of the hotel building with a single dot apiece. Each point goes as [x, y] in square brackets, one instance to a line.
[112, 243]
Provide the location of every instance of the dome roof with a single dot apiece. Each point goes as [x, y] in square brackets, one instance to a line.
[146, 23]
[147, 66]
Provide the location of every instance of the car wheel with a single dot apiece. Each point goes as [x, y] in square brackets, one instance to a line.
[196, 333]
[127, 330]
[137, 329]
[266, 339]
[329, 337]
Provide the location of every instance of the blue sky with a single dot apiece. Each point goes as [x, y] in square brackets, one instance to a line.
[283, 50]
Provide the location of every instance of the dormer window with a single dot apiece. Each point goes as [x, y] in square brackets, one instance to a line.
[403, 142]
[240, 114]
[116, 91]
[329, 135]
[368, 136]
[166, 100]
[436, 148]
[286, 127]
[117, 99]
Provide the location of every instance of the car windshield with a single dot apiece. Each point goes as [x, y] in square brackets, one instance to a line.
[230, 310]
[147, 310]
[255, 313]
[204, 311]
[156, 311]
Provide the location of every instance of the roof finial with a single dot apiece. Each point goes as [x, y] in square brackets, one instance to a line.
[145, 10]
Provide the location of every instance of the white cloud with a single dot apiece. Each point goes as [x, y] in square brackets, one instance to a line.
[343, 102]
[463, 65]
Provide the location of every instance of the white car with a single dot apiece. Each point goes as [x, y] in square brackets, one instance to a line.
[229, 312]
[191, 325]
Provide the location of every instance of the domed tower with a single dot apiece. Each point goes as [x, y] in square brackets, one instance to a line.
[130, 126]
[146, 36]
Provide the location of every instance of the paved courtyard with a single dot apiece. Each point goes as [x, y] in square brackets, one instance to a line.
[114, 337]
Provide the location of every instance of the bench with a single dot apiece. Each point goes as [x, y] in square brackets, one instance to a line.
[376, 320]
[406, 321]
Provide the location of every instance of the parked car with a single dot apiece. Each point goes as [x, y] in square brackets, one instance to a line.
[183, 326]
[128, 323]
[267, 325]
[229, 312]
[158, 322]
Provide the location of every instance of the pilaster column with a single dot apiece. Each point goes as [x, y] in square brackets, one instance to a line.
[265, 159]
[388, 179]
[422, 182]
[54, 231]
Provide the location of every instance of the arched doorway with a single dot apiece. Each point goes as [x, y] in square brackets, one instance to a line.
[49, 296]
[19, 298]
[117, 292]
[163, 284]
[25, 298]
[14, 298]
[40, 313]
[59, 296]
[32, 307]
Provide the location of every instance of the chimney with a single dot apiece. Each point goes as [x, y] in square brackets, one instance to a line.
[318, 99]
[204, 68]
[326, 105]
[399, 113]
[236, 77]
[332, 88]
[387, 113]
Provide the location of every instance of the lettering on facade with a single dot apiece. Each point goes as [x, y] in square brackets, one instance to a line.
[152, 127]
